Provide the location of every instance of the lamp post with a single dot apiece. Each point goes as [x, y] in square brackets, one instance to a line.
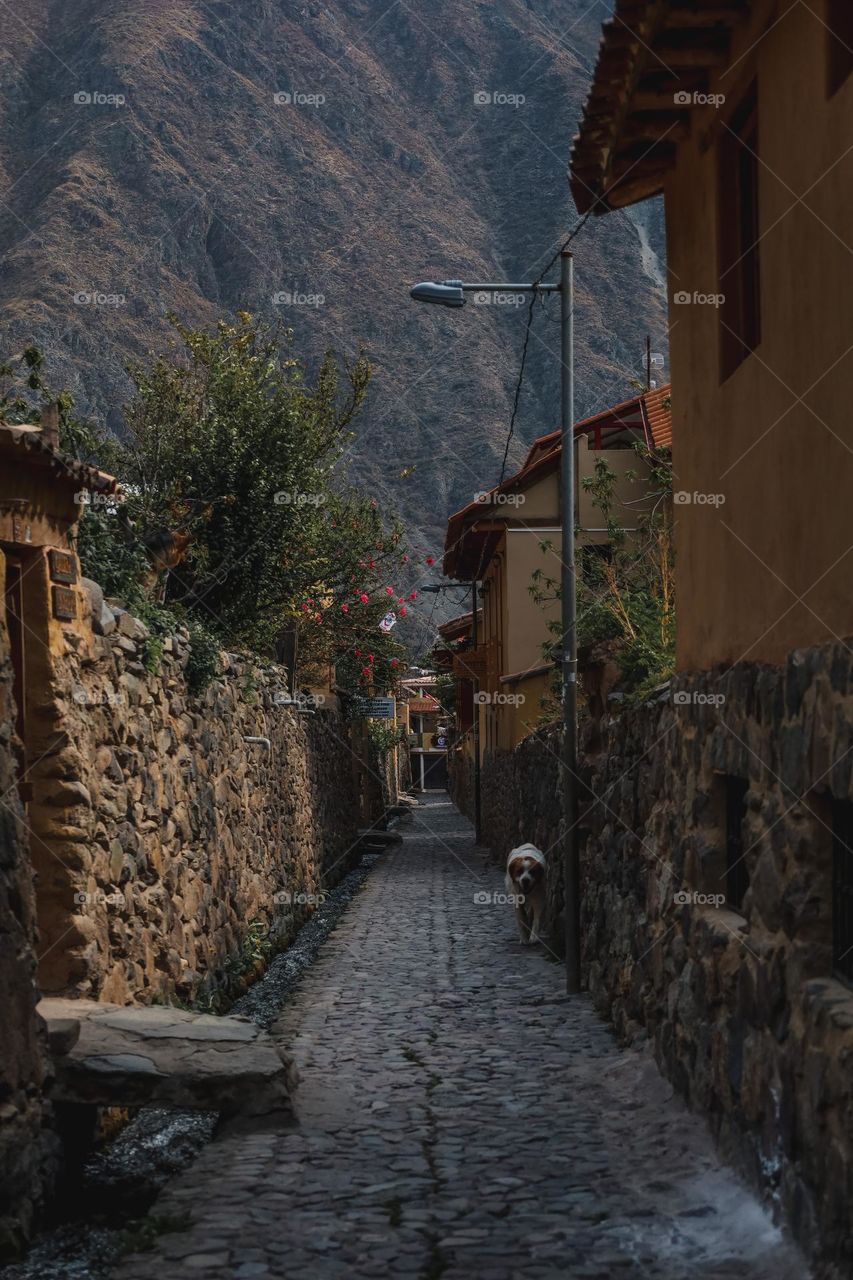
[451, 293]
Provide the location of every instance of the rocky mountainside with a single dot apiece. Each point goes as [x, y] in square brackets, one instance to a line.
[312, 160]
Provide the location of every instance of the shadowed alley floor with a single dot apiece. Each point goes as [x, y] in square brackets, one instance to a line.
[459, 1117]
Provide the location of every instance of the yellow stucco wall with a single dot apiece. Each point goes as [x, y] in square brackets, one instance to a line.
[771, 567]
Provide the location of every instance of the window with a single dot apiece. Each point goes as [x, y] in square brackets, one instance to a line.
[740, 275]
[839, 43]
[737, 875]
[842, 890]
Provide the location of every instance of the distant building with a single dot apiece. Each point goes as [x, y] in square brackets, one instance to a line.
[429, 730]
[512, 532]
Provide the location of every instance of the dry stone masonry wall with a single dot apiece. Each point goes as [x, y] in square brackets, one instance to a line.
[182, 851]
[738, 998]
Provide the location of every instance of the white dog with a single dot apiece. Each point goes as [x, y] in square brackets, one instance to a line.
[525, 878]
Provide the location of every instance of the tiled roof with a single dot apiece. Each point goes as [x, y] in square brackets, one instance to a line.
[30, 439]
[654, 56]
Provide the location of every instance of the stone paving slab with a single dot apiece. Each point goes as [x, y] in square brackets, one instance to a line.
[460, 1117]
[124, 1056]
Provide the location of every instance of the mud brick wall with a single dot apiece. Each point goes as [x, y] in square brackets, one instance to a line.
[170, 851]
[28, 1152]
[740, 1005]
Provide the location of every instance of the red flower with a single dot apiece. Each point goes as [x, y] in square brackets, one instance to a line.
[403, 612]
[395, 662]
[365, 671]
[345, 608]
[430, 560]
[405, 559]
[389, 591]
[363, 598]
[413, 595]
[357, 653]
[370, 657]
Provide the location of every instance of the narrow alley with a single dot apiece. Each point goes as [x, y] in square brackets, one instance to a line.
[459, 1116]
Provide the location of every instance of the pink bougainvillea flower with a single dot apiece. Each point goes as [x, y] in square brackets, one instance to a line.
[389, 591]
[370, 657]
[403, 611]
[357, 652]
[405, 559]
[345, 608]
[365, 671]
[363, 598]
[413, 595]
[430, 560]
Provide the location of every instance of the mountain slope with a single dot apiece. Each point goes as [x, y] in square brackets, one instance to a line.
[199, 193]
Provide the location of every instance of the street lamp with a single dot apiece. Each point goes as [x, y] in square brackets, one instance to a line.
[451, 293]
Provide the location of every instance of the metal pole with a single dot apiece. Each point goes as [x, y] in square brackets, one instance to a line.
[476, 690]
[571, 861]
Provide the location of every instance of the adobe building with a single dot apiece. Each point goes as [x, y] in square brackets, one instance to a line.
[43, 609]
[718, 871]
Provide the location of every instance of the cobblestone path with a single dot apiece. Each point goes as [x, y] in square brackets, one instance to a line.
[459, 1117]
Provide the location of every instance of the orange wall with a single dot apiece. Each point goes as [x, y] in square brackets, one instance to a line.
[771, 568]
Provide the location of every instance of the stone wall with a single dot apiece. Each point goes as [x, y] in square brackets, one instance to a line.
[28, 1154]
[172, 854]
[740, 1005]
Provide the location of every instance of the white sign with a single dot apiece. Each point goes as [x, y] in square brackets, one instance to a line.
[376, 708]
[388, 622]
